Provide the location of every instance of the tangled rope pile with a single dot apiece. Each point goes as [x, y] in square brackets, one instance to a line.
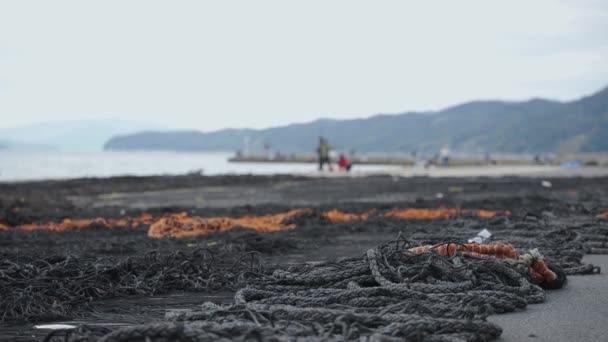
[389, 293]
[561, 244]
[386, 295]
[59, 287]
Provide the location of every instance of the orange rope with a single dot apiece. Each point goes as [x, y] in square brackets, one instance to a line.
[441, 213]
[253, 222]
[67, 223]
[499, 250]
[603, 215]
[336, 216]
[182, 225]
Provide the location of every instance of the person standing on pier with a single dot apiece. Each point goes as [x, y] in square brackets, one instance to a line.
[323, 154]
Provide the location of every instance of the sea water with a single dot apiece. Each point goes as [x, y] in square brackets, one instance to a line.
[22, 166]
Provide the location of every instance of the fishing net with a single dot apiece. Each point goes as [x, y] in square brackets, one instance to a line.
[385, 294]
[64, 286]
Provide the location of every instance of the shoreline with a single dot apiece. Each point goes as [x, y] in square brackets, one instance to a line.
[494, 171]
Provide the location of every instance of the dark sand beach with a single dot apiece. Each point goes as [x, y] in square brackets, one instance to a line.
[570, 205]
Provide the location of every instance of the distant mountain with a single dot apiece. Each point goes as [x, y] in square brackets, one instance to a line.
[21, 146]
[532, 126]
[81, 135]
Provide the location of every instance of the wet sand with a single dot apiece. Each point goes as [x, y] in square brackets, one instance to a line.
[575, 313]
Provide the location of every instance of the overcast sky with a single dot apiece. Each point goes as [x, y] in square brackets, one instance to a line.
[213, 64]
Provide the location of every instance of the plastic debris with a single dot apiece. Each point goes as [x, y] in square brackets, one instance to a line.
[55, 326]
[482, 236]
